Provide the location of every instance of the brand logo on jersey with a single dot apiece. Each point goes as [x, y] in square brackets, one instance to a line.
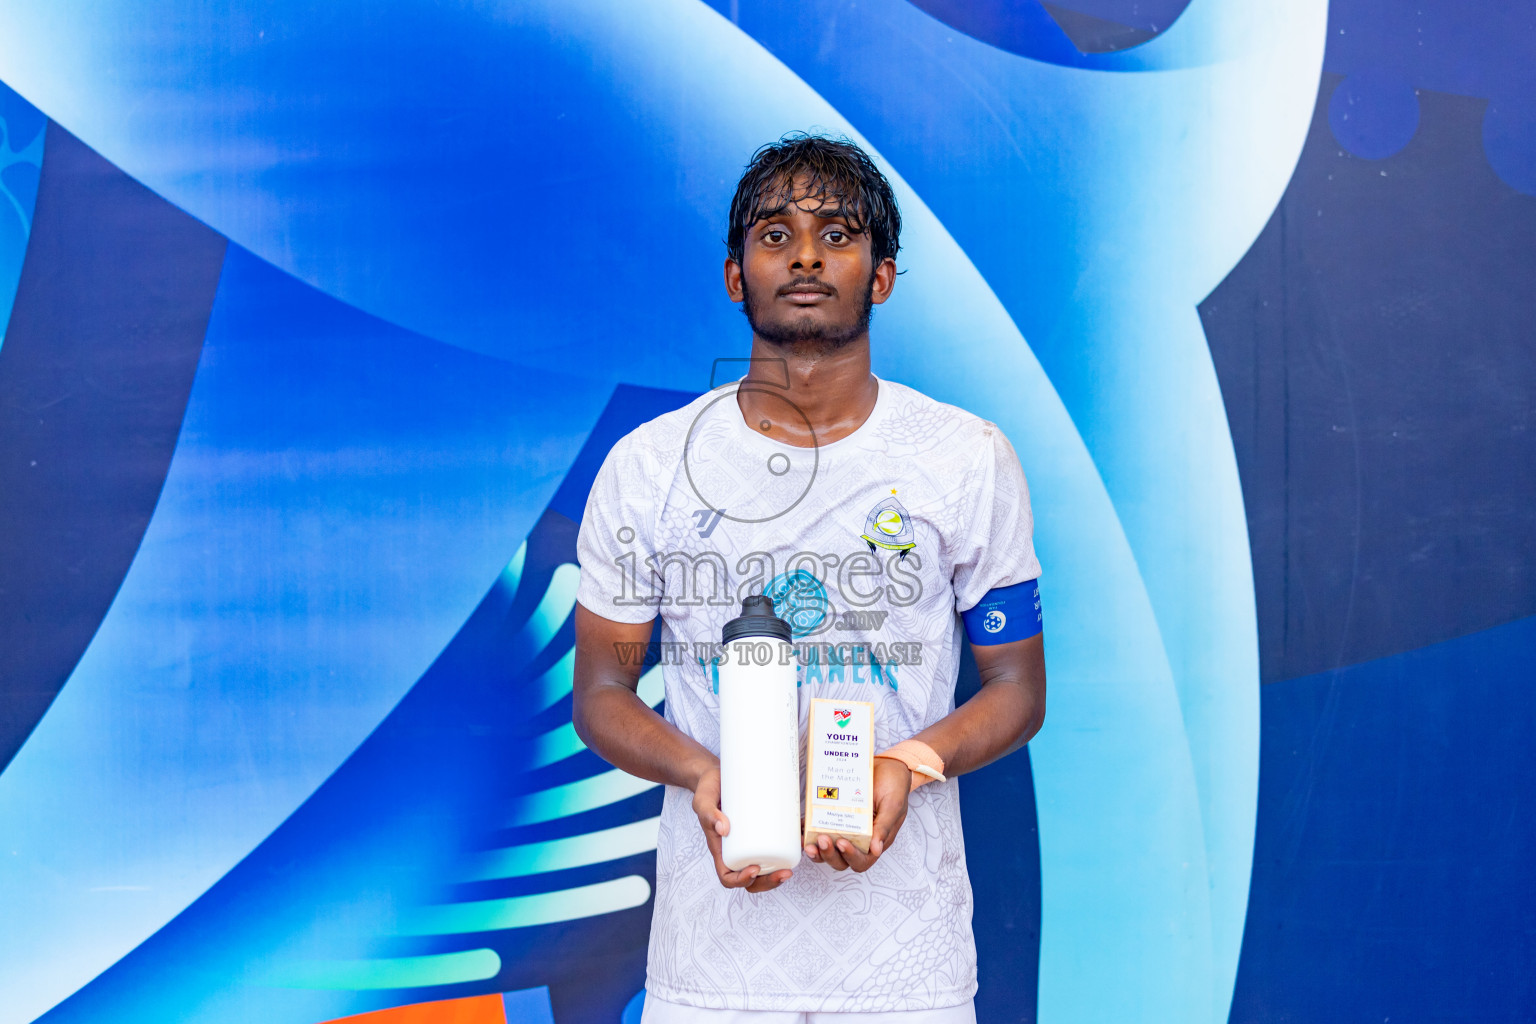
[708, 518]
[994, 621]
[889, 526]
[841, 718]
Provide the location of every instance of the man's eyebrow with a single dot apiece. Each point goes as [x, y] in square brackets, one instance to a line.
[840, 212]
[760, 215]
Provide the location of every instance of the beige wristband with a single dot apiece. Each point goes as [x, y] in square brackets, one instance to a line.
[923, 761]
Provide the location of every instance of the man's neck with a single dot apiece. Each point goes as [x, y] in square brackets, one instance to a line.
[829, 394]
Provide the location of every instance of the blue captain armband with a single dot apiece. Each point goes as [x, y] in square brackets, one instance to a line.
[1005, 614]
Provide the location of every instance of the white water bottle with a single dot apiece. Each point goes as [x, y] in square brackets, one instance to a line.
[759, 741]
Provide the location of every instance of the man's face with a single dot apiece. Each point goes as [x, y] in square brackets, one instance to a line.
[806, 279]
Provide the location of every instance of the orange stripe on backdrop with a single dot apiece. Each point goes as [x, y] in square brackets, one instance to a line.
[475, 1010]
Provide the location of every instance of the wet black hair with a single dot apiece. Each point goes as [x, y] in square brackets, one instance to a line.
[831, 171]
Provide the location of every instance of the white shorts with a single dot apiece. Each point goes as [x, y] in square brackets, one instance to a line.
[659, 1011]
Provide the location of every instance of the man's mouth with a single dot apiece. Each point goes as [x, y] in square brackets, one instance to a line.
[805, 291]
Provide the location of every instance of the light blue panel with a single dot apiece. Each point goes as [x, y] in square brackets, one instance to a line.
[1112, 764]
[587, 794]
[554, 608]
[530, 911]
[512, 575]
[342, 496]
[570, 852]
[401, 972]
[555, 682]
[555, 745]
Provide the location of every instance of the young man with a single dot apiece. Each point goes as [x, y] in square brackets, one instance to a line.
[878, 520]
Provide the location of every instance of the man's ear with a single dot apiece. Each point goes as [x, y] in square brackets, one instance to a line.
[733, 280]
[885, 281]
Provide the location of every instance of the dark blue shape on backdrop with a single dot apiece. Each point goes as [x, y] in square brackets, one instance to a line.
[1378, 389]
[1373, 351]
[1374, 113]
[1003, 856]
[98, 360]
[1392, 871]
[1477, 48]
[1059, 33]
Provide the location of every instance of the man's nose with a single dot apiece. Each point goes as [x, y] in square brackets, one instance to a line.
[807, 255]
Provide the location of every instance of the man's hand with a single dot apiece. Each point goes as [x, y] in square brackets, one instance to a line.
[893, 781]
[706, 804]
[625, 732]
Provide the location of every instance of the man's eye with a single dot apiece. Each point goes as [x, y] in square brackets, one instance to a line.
[836, 237]
[774, 236]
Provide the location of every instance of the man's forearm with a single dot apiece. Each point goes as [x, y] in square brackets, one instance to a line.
[994, 723]
[617, 725]
[1007, 711]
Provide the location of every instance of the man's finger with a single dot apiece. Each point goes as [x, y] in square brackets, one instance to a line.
[737, 879]
[712, 836]
[772, 881]
[714, 824]
[885, 832]
[706, 799]
[889, 815]
[858, 861]
[830, 853]
[728, 878]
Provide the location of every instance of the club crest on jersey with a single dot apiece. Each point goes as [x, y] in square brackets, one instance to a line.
[889, 526]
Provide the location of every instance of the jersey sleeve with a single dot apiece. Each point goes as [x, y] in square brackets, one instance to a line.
[997, 548]
[617, 538]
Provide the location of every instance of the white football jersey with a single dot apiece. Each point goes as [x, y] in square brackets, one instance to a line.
[870, 546]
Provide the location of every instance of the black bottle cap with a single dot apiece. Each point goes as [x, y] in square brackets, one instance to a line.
[756, 619]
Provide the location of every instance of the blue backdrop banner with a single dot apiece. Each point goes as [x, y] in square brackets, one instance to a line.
[319, 321]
